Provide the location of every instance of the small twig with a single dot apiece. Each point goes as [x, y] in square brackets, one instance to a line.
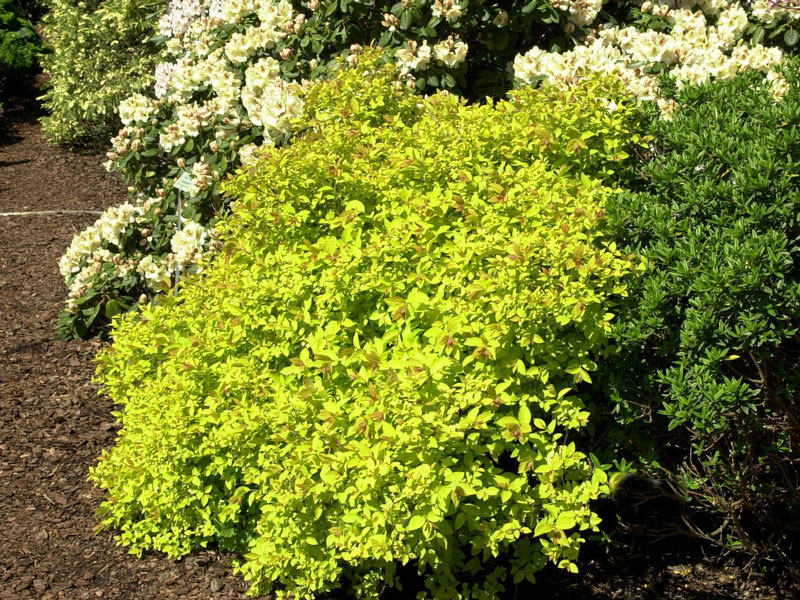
[51, 212]
[46, 497]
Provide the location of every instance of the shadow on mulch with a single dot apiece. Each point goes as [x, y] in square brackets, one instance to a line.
[675, 568]
[54, 426]
[18, 97]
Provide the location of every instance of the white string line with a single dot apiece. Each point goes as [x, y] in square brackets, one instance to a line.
[51, 212]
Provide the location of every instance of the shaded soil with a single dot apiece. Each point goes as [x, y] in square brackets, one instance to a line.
[53, 426]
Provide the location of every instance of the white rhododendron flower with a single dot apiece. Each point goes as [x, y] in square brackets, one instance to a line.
[169, 138]
[262, 73]
[187, 244]
[155, 273]
[164, 72]
[731, 24]
[583, 12]
[248, 155]
[201, 178]
[416, 57]
[106, 230]
[82, 262]
[274, 106]
[769, 12]
[135, 109]
[240, 47]
[451, 52]
[696, 50]
[712, 7]
[447, 9]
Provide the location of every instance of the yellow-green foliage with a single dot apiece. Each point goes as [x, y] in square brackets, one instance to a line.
[382, 364]
[99, 53]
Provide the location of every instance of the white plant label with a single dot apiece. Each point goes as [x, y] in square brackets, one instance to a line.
[184, 182]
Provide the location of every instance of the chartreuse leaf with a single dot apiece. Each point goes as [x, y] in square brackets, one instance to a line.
[333, 394]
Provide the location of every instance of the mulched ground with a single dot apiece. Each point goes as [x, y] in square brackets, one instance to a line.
[53, 425]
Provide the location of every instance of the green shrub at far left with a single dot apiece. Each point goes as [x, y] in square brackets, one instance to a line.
[19, 43]
[98, 53]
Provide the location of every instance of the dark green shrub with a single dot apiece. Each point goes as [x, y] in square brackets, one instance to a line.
[708, 371]
[19, 43]
[33, 10]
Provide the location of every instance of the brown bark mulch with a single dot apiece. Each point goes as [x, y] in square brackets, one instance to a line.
[53, 424]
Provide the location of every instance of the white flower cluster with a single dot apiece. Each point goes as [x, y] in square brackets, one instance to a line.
[187, 245]
[106, 230]
[182, 13]
[773, 12]
[163, 76]
[248, 155]
[155, 272]
[449, 10]
[82, 264]
[193, 24]
[83, 261]
[579, 12]
[136, 109]
[417, 57]
[694, 51]
[451, 52]
[211, 92]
